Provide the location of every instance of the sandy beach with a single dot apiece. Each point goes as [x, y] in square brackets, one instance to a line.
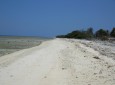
[60, 62]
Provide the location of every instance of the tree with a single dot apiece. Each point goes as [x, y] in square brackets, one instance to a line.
[102, 34]
[113, 32]
[73, 34]
[89, 32]
[108, 34]
[78, 34]
[60, 36]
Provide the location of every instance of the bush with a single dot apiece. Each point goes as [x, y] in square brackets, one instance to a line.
[88, 34]
[112, 32]
[60, 36]
[102, 34]
[77, 35]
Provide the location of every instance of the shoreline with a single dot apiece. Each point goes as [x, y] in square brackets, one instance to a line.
[12, 44]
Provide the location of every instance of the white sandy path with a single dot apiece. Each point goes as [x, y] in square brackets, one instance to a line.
[57, 62]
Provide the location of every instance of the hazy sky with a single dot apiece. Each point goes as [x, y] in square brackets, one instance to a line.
[53, 17]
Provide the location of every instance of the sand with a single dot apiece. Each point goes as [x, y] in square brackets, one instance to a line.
[57, 62]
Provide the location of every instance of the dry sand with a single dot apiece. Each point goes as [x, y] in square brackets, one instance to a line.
[57, 62]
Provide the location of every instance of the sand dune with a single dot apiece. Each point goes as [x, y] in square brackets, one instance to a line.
[57, 62]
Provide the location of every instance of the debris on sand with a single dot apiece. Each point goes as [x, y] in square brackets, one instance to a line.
[96, 57]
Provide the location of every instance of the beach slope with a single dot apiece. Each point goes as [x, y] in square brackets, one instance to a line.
[57, 62]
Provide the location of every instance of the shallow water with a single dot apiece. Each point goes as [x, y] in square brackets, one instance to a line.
[10, 44]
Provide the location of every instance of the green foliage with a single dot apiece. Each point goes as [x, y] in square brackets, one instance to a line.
[88, 34]
[102, 34]
[78, 34]
[112, 32]
[60, 36]
[75, 34]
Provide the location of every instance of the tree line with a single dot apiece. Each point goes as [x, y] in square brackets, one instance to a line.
[89, 34]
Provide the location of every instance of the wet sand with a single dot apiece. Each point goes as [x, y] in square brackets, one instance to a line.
[10, 44]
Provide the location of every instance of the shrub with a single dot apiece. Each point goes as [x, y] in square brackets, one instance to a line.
[112, 32]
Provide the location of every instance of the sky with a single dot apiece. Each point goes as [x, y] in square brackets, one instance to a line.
[49, 18]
